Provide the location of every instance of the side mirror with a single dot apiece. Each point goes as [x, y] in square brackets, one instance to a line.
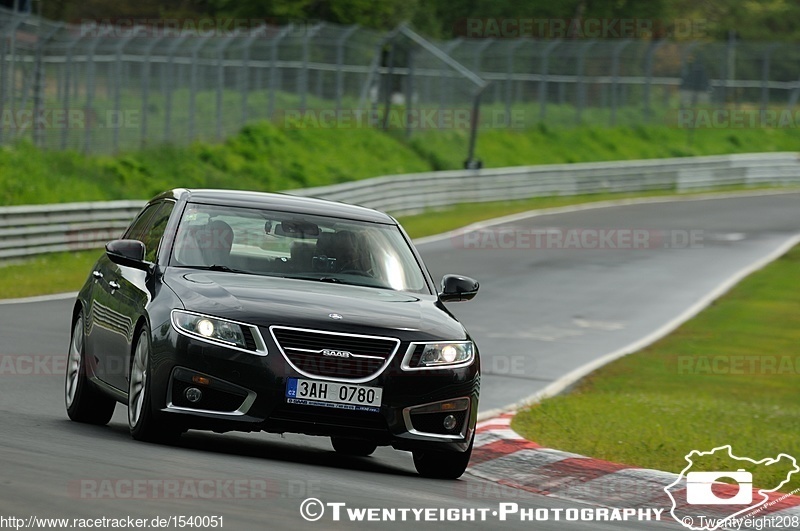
[128, 253]
[456, 288]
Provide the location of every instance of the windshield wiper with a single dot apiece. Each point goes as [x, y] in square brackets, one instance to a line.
[332, 280]
[216, 267]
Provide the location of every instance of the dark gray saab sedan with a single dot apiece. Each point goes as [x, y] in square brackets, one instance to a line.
[224, 310]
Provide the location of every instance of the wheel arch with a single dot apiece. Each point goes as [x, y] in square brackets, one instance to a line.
[76, 310]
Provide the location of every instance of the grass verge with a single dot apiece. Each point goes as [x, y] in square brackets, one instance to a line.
[46, 274]
[728, 376]
[263, 156]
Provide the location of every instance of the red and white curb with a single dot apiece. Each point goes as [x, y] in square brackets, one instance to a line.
[502, 456]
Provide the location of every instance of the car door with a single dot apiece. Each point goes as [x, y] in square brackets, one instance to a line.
[133, 289]
[107, 325]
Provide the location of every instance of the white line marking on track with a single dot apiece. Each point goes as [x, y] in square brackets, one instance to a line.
[41, 298]
[592, 206]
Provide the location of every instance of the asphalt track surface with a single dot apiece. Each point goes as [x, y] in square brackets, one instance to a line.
[541, 313]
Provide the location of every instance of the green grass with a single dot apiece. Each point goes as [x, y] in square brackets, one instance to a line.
[265, 157]
[651, 408]
[46, 274]
[551, 145]
[260, 157]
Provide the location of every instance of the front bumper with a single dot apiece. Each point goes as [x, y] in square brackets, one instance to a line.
[246, 392]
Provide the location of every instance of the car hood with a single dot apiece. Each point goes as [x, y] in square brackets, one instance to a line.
[266, 301]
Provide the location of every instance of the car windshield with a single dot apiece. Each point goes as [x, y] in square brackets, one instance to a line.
[299, 246]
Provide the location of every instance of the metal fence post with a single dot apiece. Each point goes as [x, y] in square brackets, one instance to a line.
[685, 53]
[449, 48]
[340, 42]
[466, 73]
[479, 54]
[193, 84]
[90, 86]
[7, 80]
[223, 46]
[545, 71]
[765, 64]
[13, 38]
[648, 77]
[615, 78]
[146, 88]
[244, 79]
[273, 68]
[306, 57]
[409, 92]
[168, 85]
[118, 84]
[68, 65]
[374, 66]
[581, 86]
[39, 77]
[387, 93]
[730, 68]
[510, 79]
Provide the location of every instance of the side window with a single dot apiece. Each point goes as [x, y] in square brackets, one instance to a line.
[139, 225]
[155, 230]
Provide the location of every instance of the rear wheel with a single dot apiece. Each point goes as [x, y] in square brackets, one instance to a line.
[84, 402]
[442, 465]
[357, 447]
[143, 424]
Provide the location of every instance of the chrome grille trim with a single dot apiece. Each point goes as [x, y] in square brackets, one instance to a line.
[364, 379]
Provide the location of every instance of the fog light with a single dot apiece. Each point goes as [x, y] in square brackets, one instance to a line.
[193, 394]
[450, 422]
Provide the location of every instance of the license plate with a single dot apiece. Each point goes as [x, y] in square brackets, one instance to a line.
[332, 394]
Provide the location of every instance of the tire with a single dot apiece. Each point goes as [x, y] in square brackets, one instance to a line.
[357, 447]
[442, 465]
[83, 401]
[142, 422]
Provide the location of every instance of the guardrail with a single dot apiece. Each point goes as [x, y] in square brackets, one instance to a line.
[33, 230]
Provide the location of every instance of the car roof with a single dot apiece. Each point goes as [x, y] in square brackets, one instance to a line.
[279, 201]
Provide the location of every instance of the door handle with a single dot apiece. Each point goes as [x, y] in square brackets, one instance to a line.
[113, 284]
[97, 274]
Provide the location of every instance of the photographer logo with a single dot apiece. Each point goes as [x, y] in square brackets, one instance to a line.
[718, 490]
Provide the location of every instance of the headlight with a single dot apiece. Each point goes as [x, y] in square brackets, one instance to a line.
[218, 330]
[435, 355]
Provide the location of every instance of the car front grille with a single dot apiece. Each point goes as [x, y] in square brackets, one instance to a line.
[315, 353]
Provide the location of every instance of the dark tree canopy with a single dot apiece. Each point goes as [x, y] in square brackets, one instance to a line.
[754, 20]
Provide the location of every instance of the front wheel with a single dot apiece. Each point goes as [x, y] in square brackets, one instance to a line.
[442, 465]
[143, 424]
[84, 402]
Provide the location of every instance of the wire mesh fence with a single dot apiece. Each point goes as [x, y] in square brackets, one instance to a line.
[102, 88]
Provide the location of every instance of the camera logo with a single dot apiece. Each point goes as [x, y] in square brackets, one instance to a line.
[707, 501]
[699, 488]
